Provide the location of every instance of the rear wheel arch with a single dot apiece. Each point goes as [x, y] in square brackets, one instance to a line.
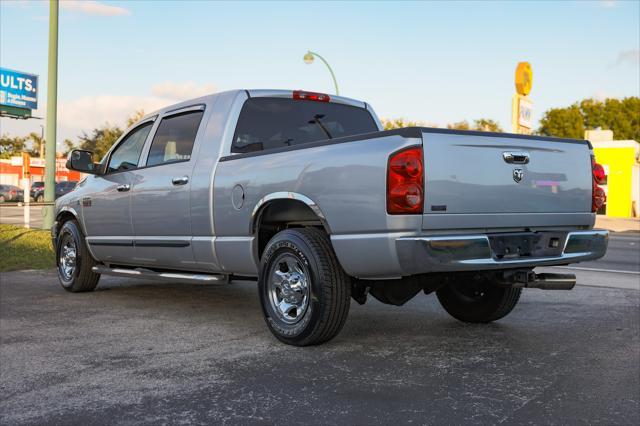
[279, 211]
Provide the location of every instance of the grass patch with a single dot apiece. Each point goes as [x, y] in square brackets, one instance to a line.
[22, 248]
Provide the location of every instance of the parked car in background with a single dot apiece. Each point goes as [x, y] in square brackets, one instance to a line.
[36, 188]
[61, 188]
[10, 193]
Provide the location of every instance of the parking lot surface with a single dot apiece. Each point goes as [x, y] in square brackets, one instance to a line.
[14, 215]
[137, 352]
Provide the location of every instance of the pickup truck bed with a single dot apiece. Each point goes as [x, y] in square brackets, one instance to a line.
[305, 192]
[471, 194]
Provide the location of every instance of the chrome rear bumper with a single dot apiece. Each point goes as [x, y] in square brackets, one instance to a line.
[474, 252]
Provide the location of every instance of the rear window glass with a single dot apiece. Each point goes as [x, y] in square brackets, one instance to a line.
[268, 123]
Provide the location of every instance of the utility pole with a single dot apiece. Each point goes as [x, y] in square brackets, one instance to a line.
[52, 103]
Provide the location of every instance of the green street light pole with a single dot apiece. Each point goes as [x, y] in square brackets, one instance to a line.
[308, 59]
[52, 100]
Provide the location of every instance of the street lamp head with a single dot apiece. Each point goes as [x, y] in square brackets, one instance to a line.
[308, 58]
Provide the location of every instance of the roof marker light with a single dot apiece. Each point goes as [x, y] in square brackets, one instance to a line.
[310, 96]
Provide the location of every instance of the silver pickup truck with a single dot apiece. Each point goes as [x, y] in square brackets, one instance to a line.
[305, 193]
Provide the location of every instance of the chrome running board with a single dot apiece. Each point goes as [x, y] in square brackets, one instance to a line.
[176, 277]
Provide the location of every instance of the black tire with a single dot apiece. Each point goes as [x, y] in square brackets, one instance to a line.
[329, 289]
[80, 277]
[40, 199]
[478, 302]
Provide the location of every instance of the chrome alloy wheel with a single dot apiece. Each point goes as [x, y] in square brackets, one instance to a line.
[67, 257]
[288, 288]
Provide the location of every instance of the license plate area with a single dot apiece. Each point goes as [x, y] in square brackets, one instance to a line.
[527, 244]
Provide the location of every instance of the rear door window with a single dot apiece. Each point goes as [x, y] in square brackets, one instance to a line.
[173, 141]
[268, 123]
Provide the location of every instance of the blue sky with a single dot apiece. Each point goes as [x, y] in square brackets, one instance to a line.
[437, 62]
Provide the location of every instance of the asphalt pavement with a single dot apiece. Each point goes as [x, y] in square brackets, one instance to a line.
[137, 352]
[14, 215]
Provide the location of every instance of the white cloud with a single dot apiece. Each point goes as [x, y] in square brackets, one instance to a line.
[88, 112]
[608, 3]
[629, 57]
[92, 7]
[602, 96]
[182, 91]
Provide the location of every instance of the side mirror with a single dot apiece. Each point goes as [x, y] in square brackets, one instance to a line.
[82, 161]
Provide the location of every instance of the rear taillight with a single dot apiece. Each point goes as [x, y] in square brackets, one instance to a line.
[405, 182]
[598, 173]
[13, 192]
[598, 196]
[310, 96]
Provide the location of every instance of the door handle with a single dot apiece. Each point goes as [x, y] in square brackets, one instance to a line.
[123, 188]
[513, 157]
[182, 180]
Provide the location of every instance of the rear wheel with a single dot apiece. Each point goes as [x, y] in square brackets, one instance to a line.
[304, 292]
[478, 301]
[74, 261]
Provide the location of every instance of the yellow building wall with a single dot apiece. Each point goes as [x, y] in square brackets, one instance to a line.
[620, 163]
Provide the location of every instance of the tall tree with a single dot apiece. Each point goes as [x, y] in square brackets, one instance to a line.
[620, 115]
[38, 143]
[11, 145]
[487, 125]
[397, 123]
[100, 140]
[68, 145]
[563, 122]
[460, 125]
[135, 117]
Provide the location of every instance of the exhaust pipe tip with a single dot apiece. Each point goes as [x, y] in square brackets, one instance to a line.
[545, 281]
[548, 281]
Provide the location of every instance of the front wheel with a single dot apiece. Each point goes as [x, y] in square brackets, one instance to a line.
[478, 301]
[74, 261]
[40, 199]
[304, 292]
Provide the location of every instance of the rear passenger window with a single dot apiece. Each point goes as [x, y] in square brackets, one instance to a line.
[173, 141]
[268, 123]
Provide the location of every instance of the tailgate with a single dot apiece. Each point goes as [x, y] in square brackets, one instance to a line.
[502, 180]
